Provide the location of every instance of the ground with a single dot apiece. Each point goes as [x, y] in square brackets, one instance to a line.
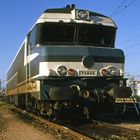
[13, 128]
[17, 127]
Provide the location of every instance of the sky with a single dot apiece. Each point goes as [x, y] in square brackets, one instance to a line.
[18, 16]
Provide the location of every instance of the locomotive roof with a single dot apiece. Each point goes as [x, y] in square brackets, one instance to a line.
[69, 14]
[68, 10]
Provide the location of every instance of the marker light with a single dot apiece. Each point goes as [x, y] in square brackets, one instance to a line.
[71, 72]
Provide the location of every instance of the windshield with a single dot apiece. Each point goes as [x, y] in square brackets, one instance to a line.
[75, 34]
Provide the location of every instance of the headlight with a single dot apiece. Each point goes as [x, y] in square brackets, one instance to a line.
[87, 61]
[111, 71]
[103, 72]
[62, 70]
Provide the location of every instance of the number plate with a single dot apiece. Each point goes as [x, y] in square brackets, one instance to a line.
[87, 73]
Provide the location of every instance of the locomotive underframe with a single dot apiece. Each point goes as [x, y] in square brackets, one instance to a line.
[69, 97]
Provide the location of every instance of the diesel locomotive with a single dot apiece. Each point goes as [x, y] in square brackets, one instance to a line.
[68, 65]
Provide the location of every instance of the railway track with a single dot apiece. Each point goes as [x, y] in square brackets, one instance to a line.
[89, 131]
[64, 132]
[101, 130]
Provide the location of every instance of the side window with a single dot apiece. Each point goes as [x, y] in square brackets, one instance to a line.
[32, 38]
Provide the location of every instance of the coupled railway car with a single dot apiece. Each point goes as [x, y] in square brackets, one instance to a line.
[68, 64]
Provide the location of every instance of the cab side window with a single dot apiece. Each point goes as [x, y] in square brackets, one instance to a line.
[32, 38]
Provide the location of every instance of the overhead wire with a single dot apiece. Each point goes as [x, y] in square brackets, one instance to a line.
[131, 54]
[118, 8]
[131, 46]
[129, 38]
[129, 4]
[122, 7]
